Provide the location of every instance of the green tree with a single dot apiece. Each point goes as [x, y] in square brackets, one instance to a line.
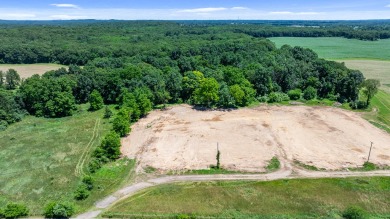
[225, 97]
[294, 94]
[14, 210]
[111, 145]
[121, 125]
[12, 79]
[310, 93]
[207, 92]
[95, 101]
[370, 89]
[59, 210]
[107, 113]
[129, 101]
[1, 79]
[143, 102]
[238, 94]
[62, 104]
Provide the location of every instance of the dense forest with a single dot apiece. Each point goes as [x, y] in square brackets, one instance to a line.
[140, 64]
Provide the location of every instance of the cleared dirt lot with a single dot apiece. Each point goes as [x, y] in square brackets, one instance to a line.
[183, 138]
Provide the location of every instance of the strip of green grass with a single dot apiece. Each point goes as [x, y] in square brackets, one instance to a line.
[282, 198]
[380, 117]
[339, 48]
[39, 157]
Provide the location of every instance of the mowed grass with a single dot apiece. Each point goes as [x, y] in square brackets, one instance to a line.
[380, 115]
[282, 198]
[28, 70]
[372, 69]
[339, 48]
[39, 157]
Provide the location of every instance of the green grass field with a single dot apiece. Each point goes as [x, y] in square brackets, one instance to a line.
[380, 116]
[339, 48]
[281, 199]
[43, 159]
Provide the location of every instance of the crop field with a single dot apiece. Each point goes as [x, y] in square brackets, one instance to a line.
[339, 48]
[308, 198]
[372, 69]
[43, 159]
[28, 70]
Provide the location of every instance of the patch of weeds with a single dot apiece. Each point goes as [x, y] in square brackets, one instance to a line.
[149, 169]
[367, 166]
[306, 166]
[274, 164]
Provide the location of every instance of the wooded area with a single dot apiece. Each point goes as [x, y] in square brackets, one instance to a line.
[134, 63]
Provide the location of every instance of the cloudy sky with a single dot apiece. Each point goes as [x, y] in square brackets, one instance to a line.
[197, 9]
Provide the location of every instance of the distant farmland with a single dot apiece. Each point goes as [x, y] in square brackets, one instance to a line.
[339, 48]
[28, 70]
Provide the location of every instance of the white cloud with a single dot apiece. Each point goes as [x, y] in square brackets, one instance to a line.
[65, 5]
[239, 8]
[388, 6]
[281, 12]
[202, 10]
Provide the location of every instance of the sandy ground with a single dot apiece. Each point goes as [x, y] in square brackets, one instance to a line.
[29, 70]
[182, 138]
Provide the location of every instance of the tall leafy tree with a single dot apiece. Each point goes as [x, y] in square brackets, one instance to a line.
[370, 88]
[95, 101]
[12, 79]
[207, 92]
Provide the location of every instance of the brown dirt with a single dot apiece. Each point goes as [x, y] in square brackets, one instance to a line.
[182, 138]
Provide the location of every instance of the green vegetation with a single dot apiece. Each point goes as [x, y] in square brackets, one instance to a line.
[59, 210]
[42, 158]
[380, 115]
[339, 48]
[354, 212]
[307, 198]
[95, 101]
[306, 166]
[274, 164]
[14, 210]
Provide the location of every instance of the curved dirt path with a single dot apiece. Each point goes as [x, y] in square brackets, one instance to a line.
[286, 172]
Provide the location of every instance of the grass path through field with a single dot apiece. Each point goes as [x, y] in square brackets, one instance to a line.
[79, 171]
[287, 172]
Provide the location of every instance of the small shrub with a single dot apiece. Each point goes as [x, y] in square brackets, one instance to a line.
[88, 182]
[107, 113]
[59, 210]
[295, 94]
[273, 164]
[354, 212]
[14, 210]
[358, 104]
[277, 97]
[368, 166]
[81, 192]
[94, 165]
[262, 99]
[310, 93]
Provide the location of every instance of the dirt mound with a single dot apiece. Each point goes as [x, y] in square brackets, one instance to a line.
[183, 138]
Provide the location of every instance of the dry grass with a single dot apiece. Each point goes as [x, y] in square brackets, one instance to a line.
[28, 70]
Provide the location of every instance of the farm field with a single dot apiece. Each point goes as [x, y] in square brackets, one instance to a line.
[182, 138]
[307, 198]
[339, 48]
[43, 159]
[372, 69]
[28, 70]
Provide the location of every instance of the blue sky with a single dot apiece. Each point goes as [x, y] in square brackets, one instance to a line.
[198, 9]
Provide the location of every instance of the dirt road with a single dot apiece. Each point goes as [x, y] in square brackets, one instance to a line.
[287, 172]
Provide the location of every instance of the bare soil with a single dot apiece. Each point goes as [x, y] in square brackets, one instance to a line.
[182, 138]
